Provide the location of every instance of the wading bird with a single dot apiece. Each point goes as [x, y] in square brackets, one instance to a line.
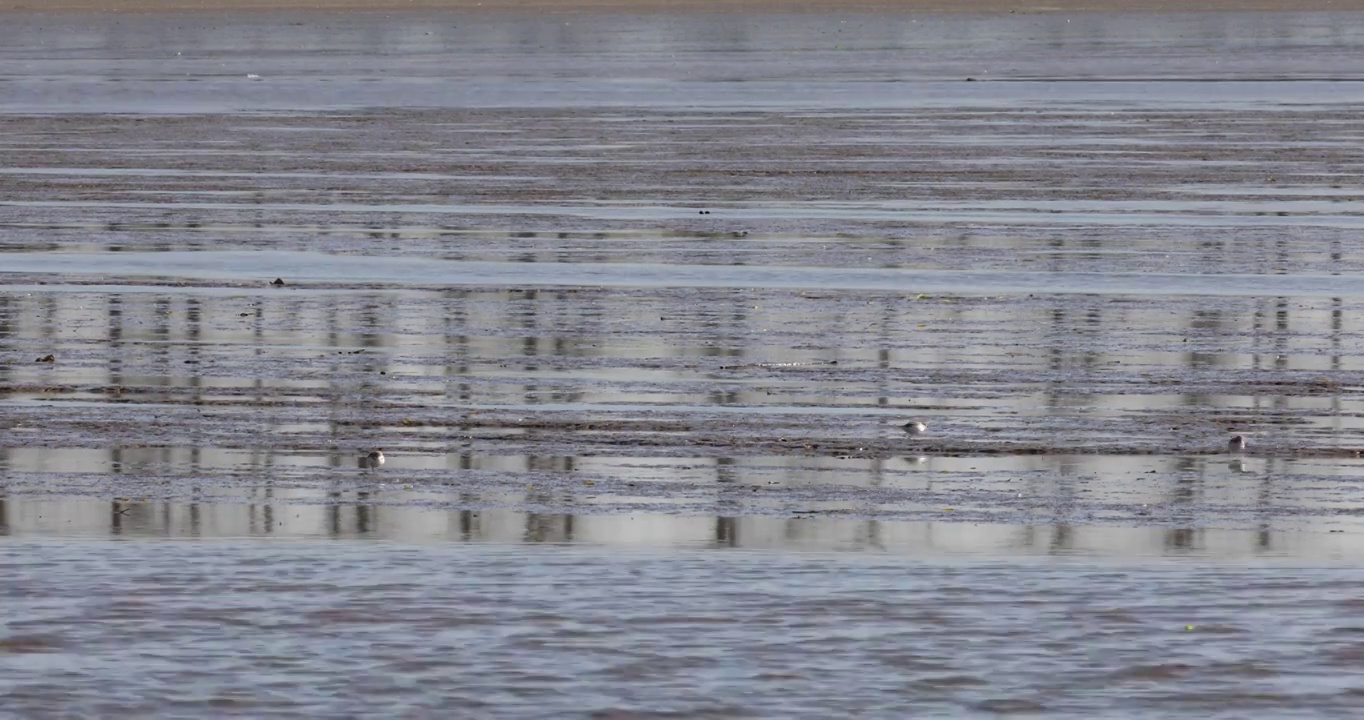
[374, 459]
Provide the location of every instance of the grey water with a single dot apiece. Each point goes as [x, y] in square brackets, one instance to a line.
[247, 266]
[221, 62]
[306, 628]
[635, 305]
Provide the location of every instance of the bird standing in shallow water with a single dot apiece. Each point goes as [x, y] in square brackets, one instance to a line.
[914, 427]
[374, 459]
[1237, 443]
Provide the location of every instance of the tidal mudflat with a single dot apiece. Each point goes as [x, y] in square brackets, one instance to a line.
[665, 284]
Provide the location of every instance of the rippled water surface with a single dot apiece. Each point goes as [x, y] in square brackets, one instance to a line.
[636, 306]
[290, 628]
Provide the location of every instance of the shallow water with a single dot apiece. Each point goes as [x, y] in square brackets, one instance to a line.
[638, 352]
[212, 63]
[578, 309]
[306, 628]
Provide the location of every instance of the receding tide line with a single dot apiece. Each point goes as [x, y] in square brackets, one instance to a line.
[320, 268]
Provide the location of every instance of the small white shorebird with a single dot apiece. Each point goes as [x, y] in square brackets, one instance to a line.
[1236, 444]
[374, 459]
[914, 427]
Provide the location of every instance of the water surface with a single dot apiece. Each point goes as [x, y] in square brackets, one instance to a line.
[287, 629]
[636, 306]
[283, 62]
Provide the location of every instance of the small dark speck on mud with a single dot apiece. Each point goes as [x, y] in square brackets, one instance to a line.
[703, 212]
[277, 282]
[47, 358]
[970, 79]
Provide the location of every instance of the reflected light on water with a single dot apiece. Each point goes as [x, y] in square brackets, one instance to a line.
[636, 306]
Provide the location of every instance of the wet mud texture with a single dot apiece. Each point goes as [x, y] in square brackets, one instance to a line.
[1150, 191]
[1099, 388]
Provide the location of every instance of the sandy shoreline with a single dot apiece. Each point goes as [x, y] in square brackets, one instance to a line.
[982, 6]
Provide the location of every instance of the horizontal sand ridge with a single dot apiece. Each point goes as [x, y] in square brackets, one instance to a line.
[984, 6]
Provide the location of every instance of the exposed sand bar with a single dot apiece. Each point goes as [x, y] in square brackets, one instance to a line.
[977, 6]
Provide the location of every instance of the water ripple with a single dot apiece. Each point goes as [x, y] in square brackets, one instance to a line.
[185, 627]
